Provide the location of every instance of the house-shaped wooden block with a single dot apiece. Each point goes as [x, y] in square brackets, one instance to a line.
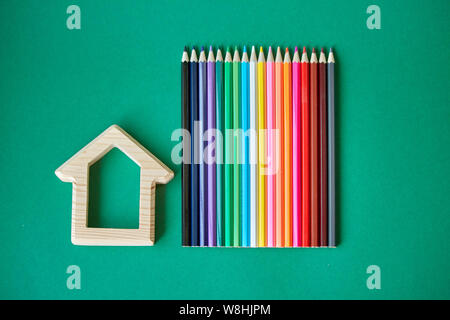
[76, 171]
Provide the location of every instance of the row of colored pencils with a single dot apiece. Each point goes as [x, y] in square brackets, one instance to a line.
[274, 188]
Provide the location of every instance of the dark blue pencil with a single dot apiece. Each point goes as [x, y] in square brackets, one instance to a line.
[202, 106]
[194, 154]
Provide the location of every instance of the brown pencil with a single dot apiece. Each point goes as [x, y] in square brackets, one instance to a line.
[314, 152]
[323, 149]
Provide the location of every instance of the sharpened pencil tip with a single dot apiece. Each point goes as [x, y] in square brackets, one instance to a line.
[304, 49]
[210, 48]
[261, 49]
[331, 49]
[203, 48]
[287, 49]
[245, 49]
[314, 50]
[321, 50]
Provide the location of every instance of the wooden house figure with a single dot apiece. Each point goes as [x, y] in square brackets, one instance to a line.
[76, 171]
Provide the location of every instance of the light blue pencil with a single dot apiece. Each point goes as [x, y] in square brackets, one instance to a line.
[245, 178]
[202, 106]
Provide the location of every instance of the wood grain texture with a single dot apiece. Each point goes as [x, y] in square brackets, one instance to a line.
[76, 171]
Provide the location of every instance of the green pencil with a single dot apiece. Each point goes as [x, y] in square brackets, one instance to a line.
[236, 145]
[219, 148]
[228, 159]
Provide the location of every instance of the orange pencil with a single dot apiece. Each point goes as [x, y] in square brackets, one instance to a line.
[287, 89]
[314, 151]
[279, 183]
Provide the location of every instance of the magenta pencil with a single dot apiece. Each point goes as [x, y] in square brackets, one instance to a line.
[296, 151]
[270, 105]
[210, 161]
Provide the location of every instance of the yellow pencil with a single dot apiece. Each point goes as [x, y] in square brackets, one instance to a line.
[261, 75]
[287, 88]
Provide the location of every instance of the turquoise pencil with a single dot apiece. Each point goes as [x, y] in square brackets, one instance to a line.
[219, 148]
[245, 177]
[228, 151]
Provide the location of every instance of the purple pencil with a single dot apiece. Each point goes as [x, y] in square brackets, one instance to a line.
[210, 152]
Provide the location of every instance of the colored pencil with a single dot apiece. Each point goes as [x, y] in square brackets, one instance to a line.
[186, 168]
[271, 153]
[202, 106]
[287, 152]
[194, 148]
[306, 236]
[219, 148]
[314, 132]
[237, 147]
[331, 152]
[228, 122]
[259, 167]
[211, 163]
[279, 141]
[253, 150]
[245, 178]
[296, 151]
[261, 149]
[323, 178]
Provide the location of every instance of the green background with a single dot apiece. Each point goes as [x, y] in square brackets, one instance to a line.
[60, 88]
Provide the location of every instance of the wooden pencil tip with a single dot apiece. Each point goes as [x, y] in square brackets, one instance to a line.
[321, 50]
[210, 48]
[261, 49]
[304, 49]
[203, 49]
[314, 50]
[296, 49]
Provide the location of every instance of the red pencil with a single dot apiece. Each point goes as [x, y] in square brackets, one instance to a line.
[323, 149]
[305, 241]
[314, 131]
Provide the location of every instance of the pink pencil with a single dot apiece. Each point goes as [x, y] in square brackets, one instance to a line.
[270, 149]
[296, 151]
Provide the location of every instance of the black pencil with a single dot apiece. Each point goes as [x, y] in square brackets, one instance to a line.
[331, 152]
[186, 168]
[323, 170]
